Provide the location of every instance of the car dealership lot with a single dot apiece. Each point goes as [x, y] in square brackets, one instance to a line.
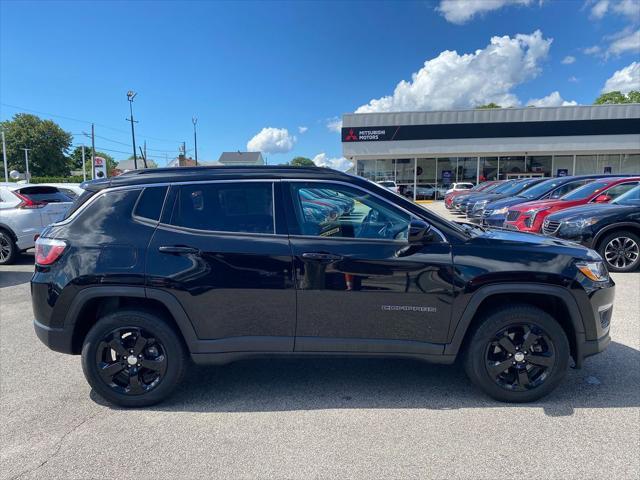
[315, 418]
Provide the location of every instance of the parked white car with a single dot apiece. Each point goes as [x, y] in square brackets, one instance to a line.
[25, 209]
[390, 184]
[455, 187]
[71, 190]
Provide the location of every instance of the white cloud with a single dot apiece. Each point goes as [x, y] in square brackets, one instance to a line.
[334, 124]
[272, 140]
[465, 81]
[629, 8]
[461, 11]
[626, 41]
[599, 9]
[573, 79]
[302, 130]
[568, 60]
[552, 100]
[624, 80]
[342, 164]
[595, 50]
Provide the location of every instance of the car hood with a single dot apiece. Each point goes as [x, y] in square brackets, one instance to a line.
[590, 210]
[537, 204]
[532, 242]
[483, 196]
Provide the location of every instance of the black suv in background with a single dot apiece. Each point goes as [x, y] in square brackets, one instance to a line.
[613, 229]
[218, 264]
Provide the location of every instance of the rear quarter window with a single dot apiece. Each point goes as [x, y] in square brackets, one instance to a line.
[150, 203]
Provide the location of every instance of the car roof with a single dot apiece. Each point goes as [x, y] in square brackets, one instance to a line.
[195, 174]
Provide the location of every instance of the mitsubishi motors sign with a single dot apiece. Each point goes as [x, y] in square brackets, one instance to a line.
[366, 134]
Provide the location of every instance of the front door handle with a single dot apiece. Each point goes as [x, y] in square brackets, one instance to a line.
[178, 250]
[321, 257]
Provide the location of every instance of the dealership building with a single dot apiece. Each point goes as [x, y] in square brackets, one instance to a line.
[441, 147]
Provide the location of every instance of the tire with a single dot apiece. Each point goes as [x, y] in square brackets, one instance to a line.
[8, 248]
[161, 353]
[624, 258]
[527, 380]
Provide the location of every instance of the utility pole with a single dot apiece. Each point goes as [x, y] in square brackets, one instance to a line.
[130, 96]
[184, 152]
[194, 120]
[84, 170]
[4, 156]
[26, 161]
[93, 152]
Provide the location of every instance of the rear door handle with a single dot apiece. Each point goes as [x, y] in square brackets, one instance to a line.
[178, 250]
[322, 257]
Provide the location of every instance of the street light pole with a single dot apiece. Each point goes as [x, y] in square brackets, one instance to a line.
[194, 120]
[26, 161]
[4, 156]
[130, 96]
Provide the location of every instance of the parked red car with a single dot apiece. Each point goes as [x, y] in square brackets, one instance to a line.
[529, 216]
[448, 198]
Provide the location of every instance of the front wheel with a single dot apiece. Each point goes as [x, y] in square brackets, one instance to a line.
[133, 358]
[621, 251]
[517, 354]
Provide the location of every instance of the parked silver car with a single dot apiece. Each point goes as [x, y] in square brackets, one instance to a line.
[24, 211]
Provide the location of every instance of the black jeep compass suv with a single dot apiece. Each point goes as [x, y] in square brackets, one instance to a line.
[215, 264]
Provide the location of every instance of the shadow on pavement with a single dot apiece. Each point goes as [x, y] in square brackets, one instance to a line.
[19, 272]
[270, 385]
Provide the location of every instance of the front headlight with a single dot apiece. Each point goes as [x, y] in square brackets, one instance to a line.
[501, 211]
[580, 224]
[595, 271]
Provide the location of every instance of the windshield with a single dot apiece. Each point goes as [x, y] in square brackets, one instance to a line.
[501, 187]
[44, 194]
[632, 197]
[387, 184]
[514, 188]
[540, 189]
[585, 191]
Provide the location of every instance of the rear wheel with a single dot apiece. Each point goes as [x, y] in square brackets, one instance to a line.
[133, 358]
[517, 354]
[621, 251]
[8, 248]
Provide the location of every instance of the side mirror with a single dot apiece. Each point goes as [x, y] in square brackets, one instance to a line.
[604, 198]
[418, 229]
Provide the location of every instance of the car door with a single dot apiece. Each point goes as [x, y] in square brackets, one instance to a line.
[361, 285]
[221, 252]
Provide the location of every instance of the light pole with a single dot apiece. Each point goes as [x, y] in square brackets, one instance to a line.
[130, 96]
[4, 157]
[26, 161]
[194, 120]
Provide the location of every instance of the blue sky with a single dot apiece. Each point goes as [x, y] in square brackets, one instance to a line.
[241, 67]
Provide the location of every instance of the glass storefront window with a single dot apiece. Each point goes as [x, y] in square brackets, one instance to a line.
[608, 164]
[586, 164]
[510, 167]
[540, 164]
[630, 163]
[562, 163]
[467, 169]
[488, 169]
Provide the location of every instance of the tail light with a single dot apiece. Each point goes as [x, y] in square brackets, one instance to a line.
[48, 250]
[26, 202]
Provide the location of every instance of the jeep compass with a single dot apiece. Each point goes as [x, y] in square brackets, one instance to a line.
[215, 264]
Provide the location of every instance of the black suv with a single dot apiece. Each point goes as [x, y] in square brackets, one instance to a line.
[218, 264]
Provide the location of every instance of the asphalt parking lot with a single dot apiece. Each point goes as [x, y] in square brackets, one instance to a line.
[315, 418]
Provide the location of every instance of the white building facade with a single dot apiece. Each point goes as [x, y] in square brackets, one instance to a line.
[439, 148]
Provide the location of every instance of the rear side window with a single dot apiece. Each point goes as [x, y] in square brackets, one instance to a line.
[44, 194]
[242, 207]
[150, 203]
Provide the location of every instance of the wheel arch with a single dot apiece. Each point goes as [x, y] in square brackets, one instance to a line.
[9, 230]
[93, 303]
[620, 226]
[556, 301]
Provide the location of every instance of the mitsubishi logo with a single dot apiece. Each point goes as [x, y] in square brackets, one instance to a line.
[351, 136]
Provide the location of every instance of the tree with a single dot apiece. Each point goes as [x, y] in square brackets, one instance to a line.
[48, 144]
[301, 162]
[618, 97]
[75, 159]
[489, 105]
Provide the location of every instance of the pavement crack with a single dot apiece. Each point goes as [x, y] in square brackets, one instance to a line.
[56, 449]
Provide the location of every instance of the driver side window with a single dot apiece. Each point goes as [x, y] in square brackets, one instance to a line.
[332, 210]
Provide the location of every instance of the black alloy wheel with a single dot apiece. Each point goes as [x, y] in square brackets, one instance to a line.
[520, 357]
[8, 248]
[621, 251]
[134, 358]
[517, 354]
[131, 361]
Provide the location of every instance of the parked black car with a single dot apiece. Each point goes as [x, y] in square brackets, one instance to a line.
[613, 229]
[221, 264]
